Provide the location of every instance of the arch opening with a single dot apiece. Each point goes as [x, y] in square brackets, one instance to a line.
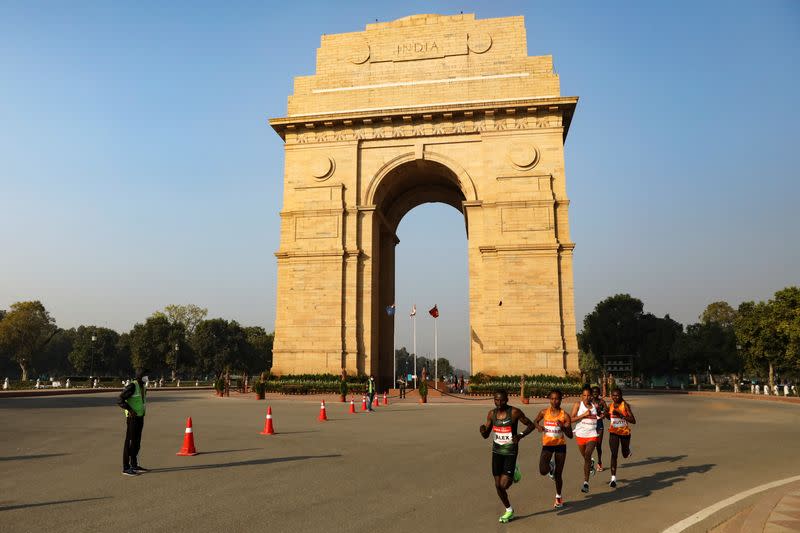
[408, 185]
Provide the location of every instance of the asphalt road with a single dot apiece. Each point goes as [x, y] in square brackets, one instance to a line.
[407, 467]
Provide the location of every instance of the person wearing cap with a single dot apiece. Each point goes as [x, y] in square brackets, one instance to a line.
[133, 400]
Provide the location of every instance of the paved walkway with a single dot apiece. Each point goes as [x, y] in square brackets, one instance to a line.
[777, 511]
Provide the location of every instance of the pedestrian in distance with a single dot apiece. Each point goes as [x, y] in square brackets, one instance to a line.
[370, 392]
[133, 399]
[601, 406]
[584, 416]
[503, 421]
[402, 384]
[554, 424]
[620, 416]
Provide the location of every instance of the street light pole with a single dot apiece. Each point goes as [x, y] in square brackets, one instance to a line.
[177, 351]
[91, 352]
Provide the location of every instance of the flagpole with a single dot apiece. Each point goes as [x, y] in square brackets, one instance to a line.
[414, 328]
[394, 349]
[436, 351]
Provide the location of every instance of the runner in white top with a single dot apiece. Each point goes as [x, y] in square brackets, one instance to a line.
[584, 416]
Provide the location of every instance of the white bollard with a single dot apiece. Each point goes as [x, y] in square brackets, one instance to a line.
[716, 387]
[786, 390]
[68, 383]
[196, 384]
[179, 383]
[5, 384]
[766, 390]
[37, 383]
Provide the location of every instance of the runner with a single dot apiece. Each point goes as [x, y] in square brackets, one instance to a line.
[584, 416]
[554, 423]
[503, 420]
[600, 403]
[621, 415]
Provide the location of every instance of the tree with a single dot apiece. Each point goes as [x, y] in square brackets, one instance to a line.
[589, 365]
[719, 313]
[785, 307]
[613, 327]
[657, 336]
[189, 316]
[151, 344]
[98, 355]
[404, 362]
[54, 358]
[220, 346]
[259, 346]
[708, 348]
[758, 337]
[444, 366]
[24, 331]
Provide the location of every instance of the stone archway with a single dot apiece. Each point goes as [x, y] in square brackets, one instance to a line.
[425, 109]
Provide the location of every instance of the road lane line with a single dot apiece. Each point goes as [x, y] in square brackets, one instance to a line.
[710, 510]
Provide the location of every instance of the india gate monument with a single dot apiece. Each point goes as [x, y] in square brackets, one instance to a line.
[427, 108]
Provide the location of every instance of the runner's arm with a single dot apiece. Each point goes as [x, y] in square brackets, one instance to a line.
[486, 428]
[528, 423]
[567, 425]
[538, 419]
[630, 418]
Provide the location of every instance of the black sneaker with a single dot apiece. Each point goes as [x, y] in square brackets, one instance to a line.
[552, 472]
[585, 487]
[129, 472]
[140, 469]
[613, 484]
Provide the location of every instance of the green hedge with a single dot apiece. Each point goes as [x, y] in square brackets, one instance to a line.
[535, 386]
[315, 384]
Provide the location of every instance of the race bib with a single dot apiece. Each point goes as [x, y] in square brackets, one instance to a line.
[553, 430]
[618, 422]
[502, 435]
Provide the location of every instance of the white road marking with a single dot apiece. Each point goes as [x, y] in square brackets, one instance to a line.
[710, 510]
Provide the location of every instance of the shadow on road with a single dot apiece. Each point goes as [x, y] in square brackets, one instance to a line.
[243, 463]
[71, 402]
[230, 451]
[37, 456]
[42, 504]
[628, 490]
[653, 460]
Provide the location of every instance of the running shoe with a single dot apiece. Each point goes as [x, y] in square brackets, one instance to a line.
[517, 475]
[599, 467]
[129, 472]
[140, 469]
[552, 472]
[592, 468]
[559, 503]
[613, 484]
[585, 487]
[507, 516]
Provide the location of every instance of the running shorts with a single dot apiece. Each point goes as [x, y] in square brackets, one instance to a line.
[585, 440]
[561, 448]
[504, 465]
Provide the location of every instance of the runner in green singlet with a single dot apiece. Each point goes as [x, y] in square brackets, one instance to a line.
[503, 421]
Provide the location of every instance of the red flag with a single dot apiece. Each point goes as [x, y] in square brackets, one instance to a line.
[434, 312]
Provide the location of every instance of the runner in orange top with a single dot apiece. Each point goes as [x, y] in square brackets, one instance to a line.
[554, 424]
[619, 430]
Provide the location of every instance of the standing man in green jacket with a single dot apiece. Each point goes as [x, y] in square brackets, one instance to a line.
[371, 390]
[133, 400]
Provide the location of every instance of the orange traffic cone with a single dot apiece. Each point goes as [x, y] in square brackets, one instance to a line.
[352, 407]
[363, 403]
[268, 429]
[188, 440]
[375, 401]
[385, 399]
[322, 416]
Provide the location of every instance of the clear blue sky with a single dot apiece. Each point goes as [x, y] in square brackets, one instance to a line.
[137, 168]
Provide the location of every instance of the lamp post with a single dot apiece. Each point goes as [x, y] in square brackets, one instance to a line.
[175, 371]
[91, 353]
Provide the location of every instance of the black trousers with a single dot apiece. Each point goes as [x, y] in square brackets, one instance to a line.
[133, 441]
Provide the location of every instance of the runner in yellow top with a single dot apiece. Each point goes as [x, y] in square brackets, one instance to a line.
[554, 424]
[503, 421]
[619, 430]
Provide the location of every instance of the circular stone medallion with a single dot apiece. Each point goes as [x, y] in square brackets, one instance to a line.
[523, 156]
[359, 53]
[321, 167]
[479, 43]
